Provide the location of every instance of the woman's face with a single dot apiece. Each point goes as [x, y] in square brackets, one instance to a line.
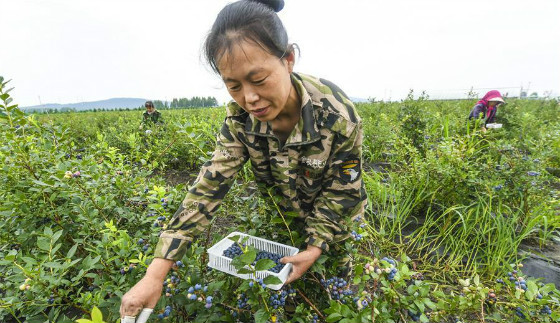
[150, 108]
[257, 80]
[492, 103]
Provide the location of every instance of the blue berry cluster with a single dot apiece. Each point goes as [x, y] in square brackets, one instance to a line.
[196, 292]
[519, 281]
[279, 299]
[179, 264]
[414, 316]
[145, 245]
[164, 202]
[51, 299]
[260, 282]
[208, 302]
[232, 251]
[519, 312]
[392, 270]
[165, 313]
[356, 236]
[315, 319]
[170, 285]
[242, 302]
[533, 173]
[272, 256]
[362, 301]
[546, 310]
[337, 287]
[359, 219]
[127, 269]
[159, 222]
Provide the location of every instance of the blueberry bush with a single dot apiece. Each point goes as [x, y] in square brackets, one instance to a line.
[85, 195]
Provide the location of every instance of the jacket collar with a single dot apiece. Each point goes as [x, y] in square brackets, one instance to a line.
[305, 131]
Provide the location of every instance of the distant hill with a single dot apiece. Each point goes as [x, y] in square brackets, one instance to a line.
[110, 104]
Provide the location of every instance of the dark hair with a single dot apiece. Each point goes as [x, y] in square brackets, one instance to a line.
[247, 20]
[148, 104]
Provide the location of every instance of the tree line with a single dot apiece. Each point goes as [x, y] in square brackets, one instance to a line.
[194, 102]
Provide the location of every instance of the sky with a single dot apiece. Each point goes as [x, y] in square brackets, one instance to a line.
[67, 51]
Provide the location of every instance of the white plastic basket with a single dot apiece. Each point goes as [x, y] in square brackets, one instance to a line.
[493, 125]
[218, 261]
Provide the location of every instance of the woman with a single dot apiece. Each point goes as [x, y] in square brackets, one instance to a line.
[151, 115]
[487, 107]
[302, 135]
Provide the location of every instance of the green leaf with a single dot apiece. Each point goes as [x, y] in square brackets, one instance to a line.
[264, 264]
[261, 316]
[529, 295]
[272, 280]
[358, 270]
[430, 304]
[243, 271]
[72, 251]
[334, 317]
[244, 259]
[346, 311]
[56, 236]
[334, 307]
[532, 287]
[277, 220]
[44, 243]
[234, 238]
[48, 232]
[52, 264]
[96, 315]
[41, 183]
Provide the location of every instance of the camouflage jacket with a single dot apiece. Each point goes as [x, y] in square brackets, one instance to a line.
[155, 117]
[317, 172]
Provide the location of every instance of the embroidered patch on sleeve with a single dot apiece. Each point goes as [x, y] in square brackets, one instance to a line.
[350, 170]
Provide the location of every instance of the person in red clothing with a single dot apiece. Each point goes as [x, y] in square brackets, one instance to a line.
[487, 107]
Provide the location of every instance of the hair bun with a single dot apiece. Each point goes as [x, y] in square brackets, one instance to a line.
[275, 5]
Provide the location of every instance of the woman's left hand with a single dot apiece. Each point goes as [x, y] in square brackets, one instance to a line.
[301, 262]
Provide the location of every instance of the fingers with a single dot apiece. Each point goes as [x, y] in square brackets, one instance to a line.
[130, 307]
[286, 259]
[294, 275]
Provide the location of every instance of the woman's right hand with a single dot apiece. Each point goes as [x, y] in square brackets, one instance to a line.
[146, 293]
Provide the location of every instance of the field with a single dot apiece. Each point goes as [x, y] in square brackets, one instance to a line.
[84, 196]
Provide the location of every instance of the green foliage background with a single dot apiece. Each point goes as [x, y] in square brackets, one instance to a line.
[447, 200]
